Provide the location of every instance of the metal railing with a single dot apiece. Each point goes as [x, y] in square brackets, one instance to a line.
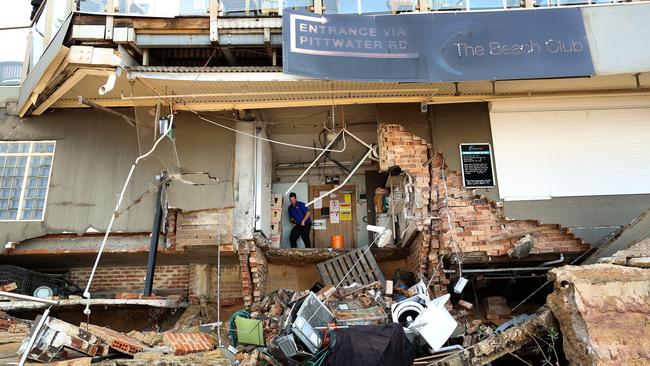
[260, 8]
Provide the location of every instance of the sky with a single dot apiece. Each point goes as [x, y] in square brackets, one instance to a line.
[14, 13]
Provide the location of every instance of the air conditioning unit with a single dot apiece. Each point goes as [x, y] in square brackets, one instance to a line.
[312, 314]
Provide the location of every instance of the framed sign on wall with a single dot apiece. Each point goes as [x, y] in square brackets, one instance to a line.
[476, 165]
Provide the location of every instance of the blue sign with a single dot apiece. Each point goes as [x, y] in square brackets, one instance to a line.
[417, 47]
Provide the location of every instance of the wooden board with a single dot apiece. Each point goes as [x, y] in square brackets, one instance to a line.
[322, 238]
[362, 268]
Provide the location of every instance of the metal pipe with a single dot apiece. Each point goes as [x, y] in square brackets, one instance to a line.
[32, 339]
[16, 296]
[155, 236]
[556, 261]
[489, 270]
[92, 104]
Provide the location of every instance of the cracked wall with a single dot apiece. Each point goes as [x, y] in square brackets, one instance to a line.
[94, 152]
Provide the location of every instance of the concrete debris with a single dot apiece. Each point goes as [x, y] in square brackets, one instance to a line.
[509, 341]
[638, 255]
[56, 335]
[604, 313]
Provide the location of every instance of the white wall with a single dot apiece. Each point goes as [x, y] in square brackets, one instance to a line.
[571, 147]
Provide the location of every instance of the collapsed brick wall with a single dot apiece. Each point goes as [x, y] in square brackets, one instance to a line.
[259, 270]
[167, 279]
[476, 220]
[202, 228]
[203, 279]
[399, 147]
[254, 271]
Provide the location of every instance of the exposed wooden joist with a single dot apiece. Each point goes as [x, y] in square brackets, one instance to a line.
[67, 85]
[52, 70]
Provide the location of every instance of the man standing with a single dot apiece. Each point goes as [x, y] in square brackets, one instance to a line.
[301, 220]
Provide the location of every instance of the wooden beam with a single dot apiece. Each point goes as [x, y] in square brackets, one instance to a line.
[318, 6]
[110, 9]
[52, 70]
[55, 68]
[214, 26]
[66, 86]
[145, 24]
[520, 233]
[173, 31]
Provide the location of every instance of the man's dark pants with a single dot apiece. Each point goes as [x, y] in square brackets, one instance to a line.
[300, 231]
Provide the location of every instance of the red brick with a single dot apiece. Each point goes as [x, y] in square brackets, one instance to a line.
[182, 343]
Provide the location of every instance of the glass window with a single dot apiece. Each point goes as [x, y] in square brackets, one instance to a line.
[25, 169]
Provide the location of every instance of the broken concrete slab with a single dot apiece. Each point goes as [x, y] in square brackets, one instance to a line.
[638, 255]
[510, 340]
[604, 313]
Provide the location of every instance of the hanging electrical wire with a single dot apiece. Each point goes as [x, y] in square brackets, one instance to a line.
[258, 137]
[452, 228]
[86, 293]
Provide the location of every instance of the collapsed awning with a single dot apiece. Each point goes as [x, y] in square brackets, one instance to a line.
[226, 88]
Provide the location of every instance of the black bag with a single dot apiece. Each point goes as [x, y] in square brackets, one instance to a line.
[371, 345]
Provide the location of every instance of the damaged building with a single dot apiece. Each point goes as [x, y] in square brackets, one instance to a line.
[476, 182]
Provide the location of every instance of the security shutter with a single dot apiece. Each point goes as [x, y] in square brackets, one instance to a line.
[571, 147]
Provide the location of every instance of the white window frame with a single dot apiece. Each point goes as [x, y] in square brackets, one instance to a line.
[29, 154]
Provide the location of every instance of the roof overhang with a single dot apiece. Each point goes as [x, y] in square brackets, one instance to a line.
[226, 88]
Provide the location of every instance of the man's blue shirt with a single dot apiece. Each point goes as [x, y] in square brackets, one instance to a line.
[298, 212]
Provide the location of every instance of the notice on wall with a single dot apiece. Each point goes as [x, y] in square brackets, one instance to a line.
[334, 206]
[318, 204]
[320, 224]
[345, 211]
[334, 217]
[347, 198]
[476, 165]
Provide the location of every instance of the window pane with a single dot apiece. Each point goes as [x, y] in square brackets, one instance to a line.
[37, 214]
[16, 160]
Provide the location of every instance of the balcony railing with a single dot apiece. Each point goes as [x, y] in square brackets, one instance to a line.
[260, 8]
